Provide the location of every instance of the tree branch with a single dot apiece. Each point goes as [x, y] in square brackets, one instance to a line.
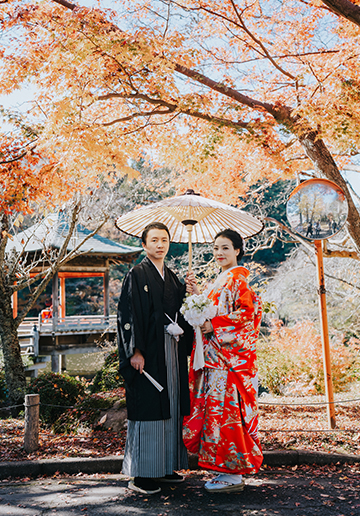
[345, 9]
[341, 254]
[280, 113]
[66, 4]
[137, 115]
[306, 244]
[172, 108]
[261, 45]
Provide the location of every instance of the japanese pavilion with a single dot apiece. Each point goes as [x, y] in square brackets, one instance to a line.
[53, 333]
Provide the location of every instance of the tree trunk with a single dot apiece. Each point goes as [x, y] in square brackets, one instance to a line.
[14, 369]
[323, 161]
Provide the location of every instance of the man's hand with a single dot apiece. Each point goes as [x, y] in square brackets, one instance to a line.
[191, 286]
[137, 361]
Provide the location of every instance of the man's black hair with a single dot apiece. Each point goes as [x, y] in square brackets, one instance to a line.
[153, 225]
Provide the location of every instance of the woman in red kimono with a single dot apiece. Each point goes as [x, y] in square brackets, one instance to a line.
[223, 425]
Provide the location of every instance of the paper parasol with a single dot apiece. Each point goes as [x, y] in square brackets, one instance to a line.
[190, 218]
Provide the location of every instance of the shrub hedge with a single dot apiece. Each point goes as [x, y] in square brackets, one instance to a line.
[85, 413]
[55, 389]
[108, 377]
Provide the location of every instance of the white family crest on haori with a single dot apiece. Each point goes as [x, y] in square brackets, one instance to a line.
[197, 309]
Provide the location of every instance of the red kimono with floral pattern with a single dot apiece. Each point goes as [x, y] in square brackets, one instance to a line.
[223, 425]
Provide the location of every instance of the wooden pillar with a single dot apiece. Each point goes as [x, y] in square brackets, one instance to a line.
[56, 363]
[325, 335]
[15, 304]
[31, 436]
[106, 294]
[62, 298]
[55, 300]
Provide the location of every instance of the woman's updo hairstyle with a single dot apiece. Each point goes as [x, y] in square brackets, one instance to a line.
[237, 240]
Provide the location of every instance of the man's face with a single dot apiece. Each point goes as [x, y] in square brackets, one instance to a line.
[157, 244]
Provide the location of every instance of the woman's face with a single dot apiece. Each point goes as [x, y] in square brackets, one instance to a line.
[224, 253]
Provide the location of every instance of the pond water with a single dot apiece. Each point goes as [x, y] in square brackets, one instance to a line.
[81, 364]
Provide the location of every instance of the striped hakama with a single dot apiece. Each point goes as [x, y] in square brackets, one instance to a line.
[155, 448]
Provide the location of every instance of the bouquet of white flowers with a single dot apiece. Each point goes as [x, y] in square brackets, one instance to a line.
[197, 309]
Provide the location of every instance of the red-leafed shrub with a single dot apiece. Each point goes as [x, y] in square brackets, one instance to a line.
[290, 360]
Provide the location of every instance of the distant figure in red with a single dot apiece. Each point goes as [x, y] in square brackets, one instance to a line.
[48, 311]
[223, 425]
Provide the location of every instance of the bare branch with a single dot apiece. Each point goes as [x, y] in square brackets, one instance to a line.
[136, 115]
[167, 19]
[292, 233]
[261, 45]
[280, 113]
[352, 168]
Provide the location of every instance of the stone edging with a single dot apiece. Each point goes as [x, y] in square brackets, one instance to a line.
[113, 464]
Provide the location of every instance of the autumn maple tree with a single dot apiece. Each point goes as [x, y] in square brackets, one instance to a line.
[228, 92]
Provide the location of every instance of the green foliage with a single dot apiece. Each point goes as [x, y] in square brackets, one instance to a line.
[269, 307]
[85, 413]
[272, 200]
[273, 367]
[24, 295]
[84, 296]
[108, 378]
[55, 389]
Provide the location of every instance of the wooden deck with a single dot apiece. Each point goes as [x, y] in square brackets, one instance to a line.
[69, 324]
[53, 338]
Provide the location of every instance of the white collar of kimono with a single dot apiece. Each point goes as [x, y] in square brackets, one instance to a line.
[218, 280]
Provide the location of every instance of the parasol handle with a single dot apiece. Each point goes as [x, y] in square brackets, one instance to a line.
[189, 223]
[189, 227]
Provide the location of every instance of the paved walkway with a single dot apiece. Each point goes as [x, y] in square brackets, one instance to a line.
[294, 491]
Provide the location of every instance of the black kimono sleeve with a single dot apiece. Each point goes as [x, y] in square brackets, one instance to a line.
[131, 323]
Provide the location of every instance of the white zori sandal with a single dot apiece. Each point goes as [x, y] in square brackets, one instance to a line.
[225, 484]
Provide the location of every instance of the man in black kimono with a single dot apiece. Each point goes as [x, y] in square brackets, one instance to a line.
[150, 299]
